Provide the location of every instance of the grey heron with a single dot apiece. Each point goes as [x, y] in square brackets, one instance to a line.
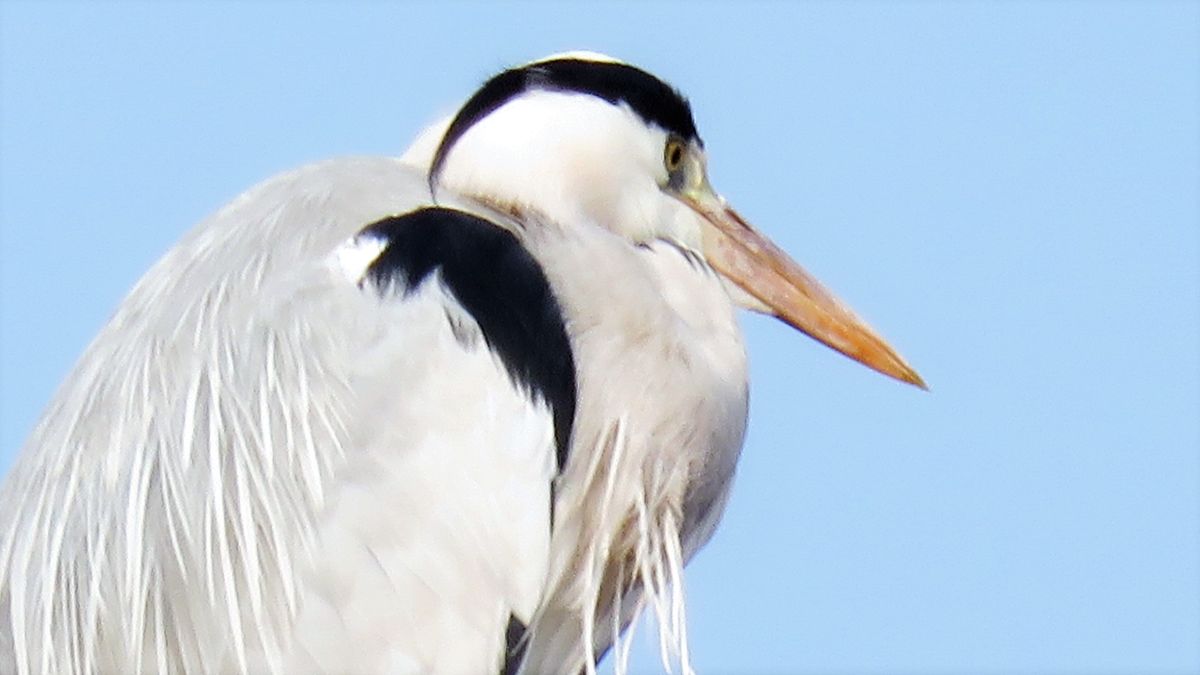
[469, 410]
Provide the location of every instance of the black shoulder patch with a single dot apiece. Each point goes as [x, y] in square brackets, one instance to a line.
[652, 99]
[514, 645]
[500, 285]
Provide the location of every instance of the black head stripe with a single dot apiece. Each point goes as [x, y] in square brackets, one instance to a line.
[650, 98]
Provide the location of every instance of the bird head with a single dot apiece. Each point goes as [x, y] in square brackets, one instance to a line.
[583, 137]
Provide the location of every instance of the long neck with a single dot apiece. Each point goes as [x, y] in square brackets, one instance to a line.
[646, 324]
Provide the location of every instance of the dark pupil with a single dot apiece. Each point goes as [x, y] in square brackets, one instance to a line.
[676, 155]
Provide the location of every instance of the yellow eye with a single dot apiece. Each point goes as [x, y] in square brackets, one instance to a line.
[673, 155]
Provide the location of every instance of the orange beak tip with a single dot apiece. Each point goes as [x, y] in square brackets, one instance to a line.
[915, 380]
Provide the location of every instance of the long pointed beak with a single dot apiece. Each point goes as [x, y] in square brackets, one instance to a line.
[761, 269]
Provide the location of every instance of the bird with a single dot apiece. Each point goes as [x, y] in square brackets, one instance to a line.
[469, 409]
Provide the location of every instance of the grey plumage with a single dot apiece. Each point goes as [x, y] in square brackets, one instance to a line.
[271, 460]
[196, 536]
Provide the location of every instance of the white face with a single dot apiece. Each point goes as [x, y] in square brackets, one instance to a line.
[575, 158]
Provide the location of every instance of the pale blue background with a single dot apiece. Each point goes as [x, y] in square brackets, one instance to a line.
[1006, 190]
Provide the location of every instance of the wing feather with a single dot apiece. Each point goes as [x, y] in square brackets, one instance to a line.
[437, 527]
[258, 463]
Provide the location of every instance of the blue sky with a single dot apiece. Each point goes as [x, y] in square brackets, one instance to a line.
[1008, 191]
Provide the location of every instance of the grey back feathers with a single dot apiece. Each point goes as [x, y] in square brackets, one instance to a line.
[244, 437]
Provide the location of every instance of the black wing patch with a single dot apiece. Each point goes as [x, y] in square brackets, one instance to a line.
[514, 645]
[653, 100]
[500, 285]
